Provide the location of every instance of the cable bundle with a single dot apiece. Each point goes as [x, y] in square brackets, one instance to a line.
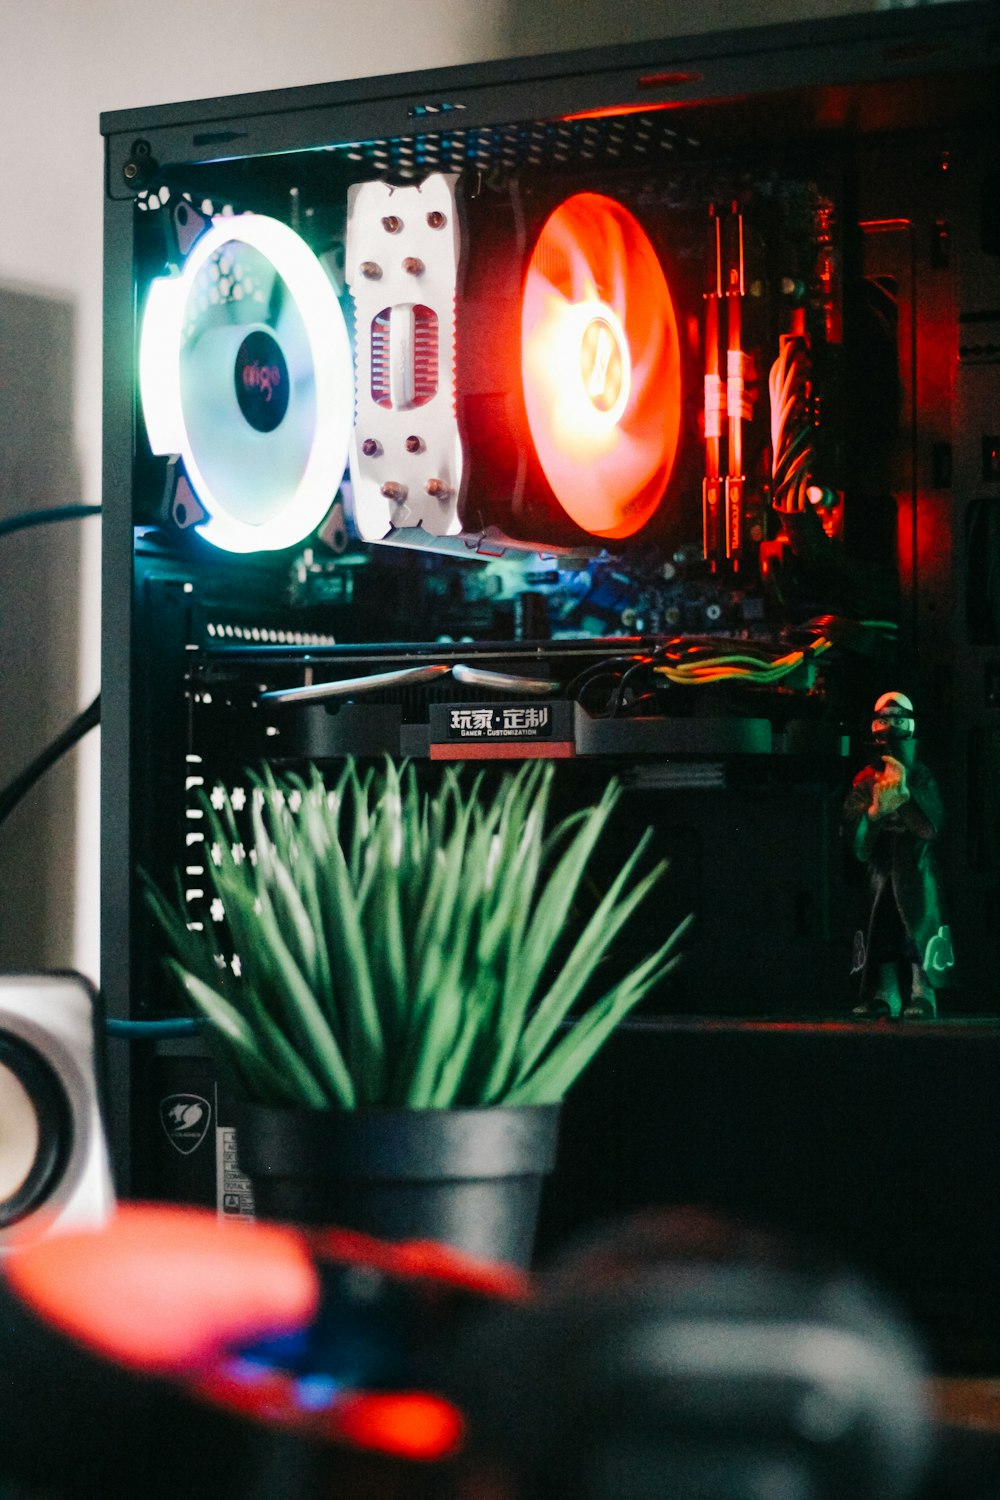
[762, 670]
[758, 671]
[791, 429]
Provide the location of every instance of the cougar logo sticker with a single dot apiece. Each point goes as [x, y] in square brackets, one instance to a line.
[185, 1119]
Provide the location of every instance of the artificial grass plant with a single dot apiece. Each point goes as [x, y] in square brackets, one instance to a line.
[393, 948]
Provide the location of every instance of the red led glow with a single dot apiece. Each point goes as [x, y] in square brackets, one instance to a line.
[408, 1424]
[615, 111]
[422, 1260]
[416, 1425]
[600, 365]
[163, 1288]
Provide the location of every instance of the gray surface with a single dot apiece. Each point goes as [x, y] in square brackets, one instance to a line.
[39, 603]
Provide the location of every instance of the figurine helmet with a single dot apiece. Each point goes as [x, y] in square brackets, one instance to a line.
[892, 717]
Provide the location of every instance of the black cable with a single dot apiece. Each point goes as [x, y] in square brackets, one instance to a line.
[617, 700]
[21, 785]
[607, 664]
[595, 680]
[85, 721]
[27, 518]
[643, 698]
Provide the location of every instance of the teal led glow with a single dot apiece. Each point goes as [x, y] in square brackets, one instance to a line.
[245, 371]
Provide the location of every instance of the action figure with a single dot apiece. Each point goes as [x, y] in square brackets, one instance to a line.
[893, 814]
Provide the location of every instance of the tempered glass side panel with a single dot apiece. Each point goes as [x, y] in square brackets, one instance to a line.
[674, 418]
[808, 235]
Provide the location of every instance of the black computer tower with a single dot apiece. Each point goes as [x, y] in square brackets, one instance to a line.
[343, 438]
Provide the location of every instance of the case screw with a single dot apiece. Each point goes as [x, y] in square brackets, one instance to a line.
[140, 165]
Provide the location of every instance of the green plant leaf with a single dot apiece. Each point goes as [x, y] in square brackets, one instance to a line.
[302, 1011]
[548, 919]
[352, 972]
[291, 1083]
[189, 946]
[392, 944]
[322, 975]
[548, 1083]
[449, 1089]
[607, 921]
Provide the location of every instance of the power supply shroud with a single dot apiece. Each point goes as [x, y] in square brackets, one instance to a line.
[842, 174]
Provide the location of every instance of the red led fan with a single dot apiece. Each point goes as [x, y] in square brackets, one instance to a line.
[600, 363]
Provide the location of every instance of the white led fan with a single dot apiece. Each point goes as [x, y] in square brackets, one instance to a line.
[245, 371]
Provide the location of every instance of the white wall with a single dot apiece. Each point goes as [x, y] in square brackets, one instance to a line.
[63, 62]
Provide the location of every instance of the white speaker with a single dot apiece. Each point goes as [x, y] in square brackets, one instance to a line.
[54, 1170]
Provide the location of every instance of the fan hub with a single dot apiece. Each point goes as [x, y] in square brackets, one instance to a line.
[605, 366]
[261, 377]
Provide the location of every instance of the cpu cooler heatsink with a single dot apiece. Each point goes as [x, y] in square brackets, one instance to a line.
[403, 249]
[246, 376]
[513, 388]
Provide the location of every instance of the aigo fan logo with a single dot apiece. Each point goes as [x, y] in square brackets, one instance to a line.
[260, 374]
[263, 377]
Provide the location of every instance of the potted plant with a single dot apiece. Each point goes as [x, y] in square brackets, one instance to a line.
[382, 997]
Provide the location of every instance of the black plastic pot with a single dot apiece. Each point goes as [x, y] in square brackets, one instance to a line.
[470, 1178]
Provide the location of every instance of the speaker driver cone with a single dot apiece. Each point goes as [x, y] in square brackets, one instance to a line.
[35, 1130]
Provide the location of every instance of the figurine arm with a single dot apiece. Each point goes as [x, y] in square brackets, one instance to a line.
[865, 835]
[912, 796]
[880, 794]
[923, 814]
[890, 790]
[863, 830]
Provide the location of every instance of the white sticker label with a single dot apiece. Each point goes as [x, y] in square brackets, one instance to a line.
[234, 1195]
